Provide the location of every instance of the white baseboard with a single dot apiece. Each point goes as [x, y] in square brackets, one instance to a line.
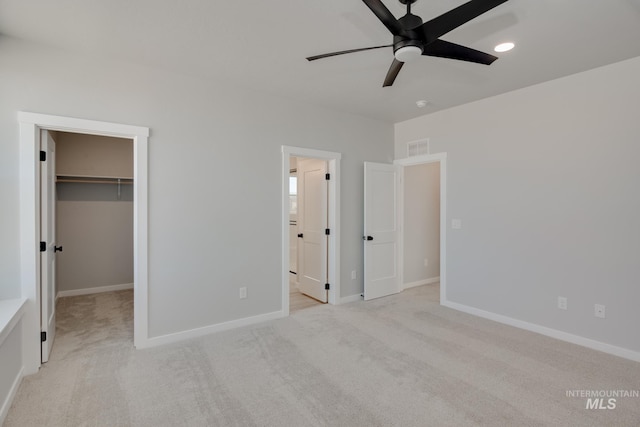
[12, 393]
[421, 282]
[352, 298]
[207, 330]
[96, 290]
[543, 330]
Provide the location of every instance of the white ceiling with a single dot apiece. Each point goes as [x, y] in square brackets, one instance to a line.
[263, 44]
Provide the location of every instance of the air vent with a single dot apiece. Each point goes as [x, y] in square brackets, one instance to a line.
[417, 148]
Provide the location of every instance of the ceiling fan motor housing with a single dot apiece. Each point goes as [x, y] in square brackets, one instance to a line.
[409, 22]
[399, 42]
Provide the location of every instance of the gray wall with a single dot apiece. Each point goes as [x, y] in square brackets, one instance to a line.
[93, 155]
[94, 223]
[545, 180]
[421, 222]
[214, 175]
[95, 230]
[11, 365]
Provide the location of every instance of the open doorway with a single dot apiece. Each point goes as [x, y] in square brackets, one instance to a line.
[94, 213]
[423, 196]
[310, 228]
[94, 233]
[31, 127]
[308, 242]
[421, 231]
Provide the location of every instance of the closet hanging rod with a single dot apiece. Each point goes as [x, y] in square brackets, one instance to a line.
[91, 180]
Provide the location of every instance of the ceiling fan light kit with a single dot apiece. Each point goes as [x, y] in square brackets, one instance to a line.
[412, 37]
[407, 53]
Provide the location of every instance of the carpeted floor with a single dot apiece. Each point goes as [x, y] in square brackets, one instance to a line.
[396, 361]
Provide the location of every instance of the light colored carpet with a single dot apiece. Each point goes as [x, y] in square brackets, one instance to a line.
[396, 361]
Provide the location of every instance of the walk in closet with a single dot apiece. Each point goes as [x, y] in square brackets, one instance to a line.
[94, 213]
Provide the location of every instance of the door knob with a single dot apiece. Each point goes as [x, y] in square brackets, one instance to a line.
[300, 235]
[57, 249]
[367, 238]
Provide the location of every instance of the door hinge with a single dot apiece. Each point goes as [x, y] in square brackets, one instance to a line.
[43, 246]
[327, 231]
[327, 176]
[43, 156]
[327, 286]
[43, 336]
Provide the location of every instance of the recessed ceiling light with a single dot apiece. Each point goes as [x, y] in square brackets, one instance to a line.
[422, 103]
[504, 47]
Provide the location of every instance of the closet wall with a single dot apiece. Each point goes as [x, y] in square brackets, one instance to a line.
[94, 213]
[421, 224]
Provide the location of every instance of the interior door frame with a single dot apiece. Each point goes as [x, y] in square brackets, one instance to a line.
[420, 160]
[30, 126]
[333, 244]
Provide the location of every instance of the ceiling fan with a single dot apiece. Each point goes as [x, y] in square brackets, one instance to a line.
[412, 37]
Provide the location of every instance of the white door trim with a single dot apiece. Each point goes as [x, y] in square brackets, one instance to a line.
[30, 126]
[419, 160]
[333, 160]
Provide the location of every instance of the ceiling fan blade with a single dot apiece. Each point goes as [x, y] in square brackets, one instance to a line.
[343, 52]
[385, 16]
[444, 49]
[448, 21]
[392, 73]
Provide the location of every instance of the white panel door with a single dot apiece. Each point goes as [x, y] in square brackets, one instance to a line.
[381, 276]
[48, 235]
[312, 223]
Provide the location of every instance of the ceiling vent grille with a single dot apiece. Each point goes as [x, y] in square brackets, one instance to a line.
[418, 148]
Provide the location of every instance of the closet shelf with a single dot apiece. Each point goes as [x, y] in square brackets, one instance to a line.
[93, 179]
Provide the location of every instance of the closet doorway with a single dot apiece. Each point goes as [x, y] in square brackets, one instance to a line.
[31, 127]
[94, 213]
[91, 210]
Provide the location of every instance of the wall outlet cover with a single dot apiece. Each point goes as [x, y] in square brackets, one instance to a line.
[599, 311]
[562, 303]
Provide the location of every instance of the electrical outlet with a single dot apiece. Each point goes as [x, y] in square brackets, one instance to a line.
[562, 303]
[456, 224]
[599, 311]
[354, 275]
[243, 292]
[426, 262]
